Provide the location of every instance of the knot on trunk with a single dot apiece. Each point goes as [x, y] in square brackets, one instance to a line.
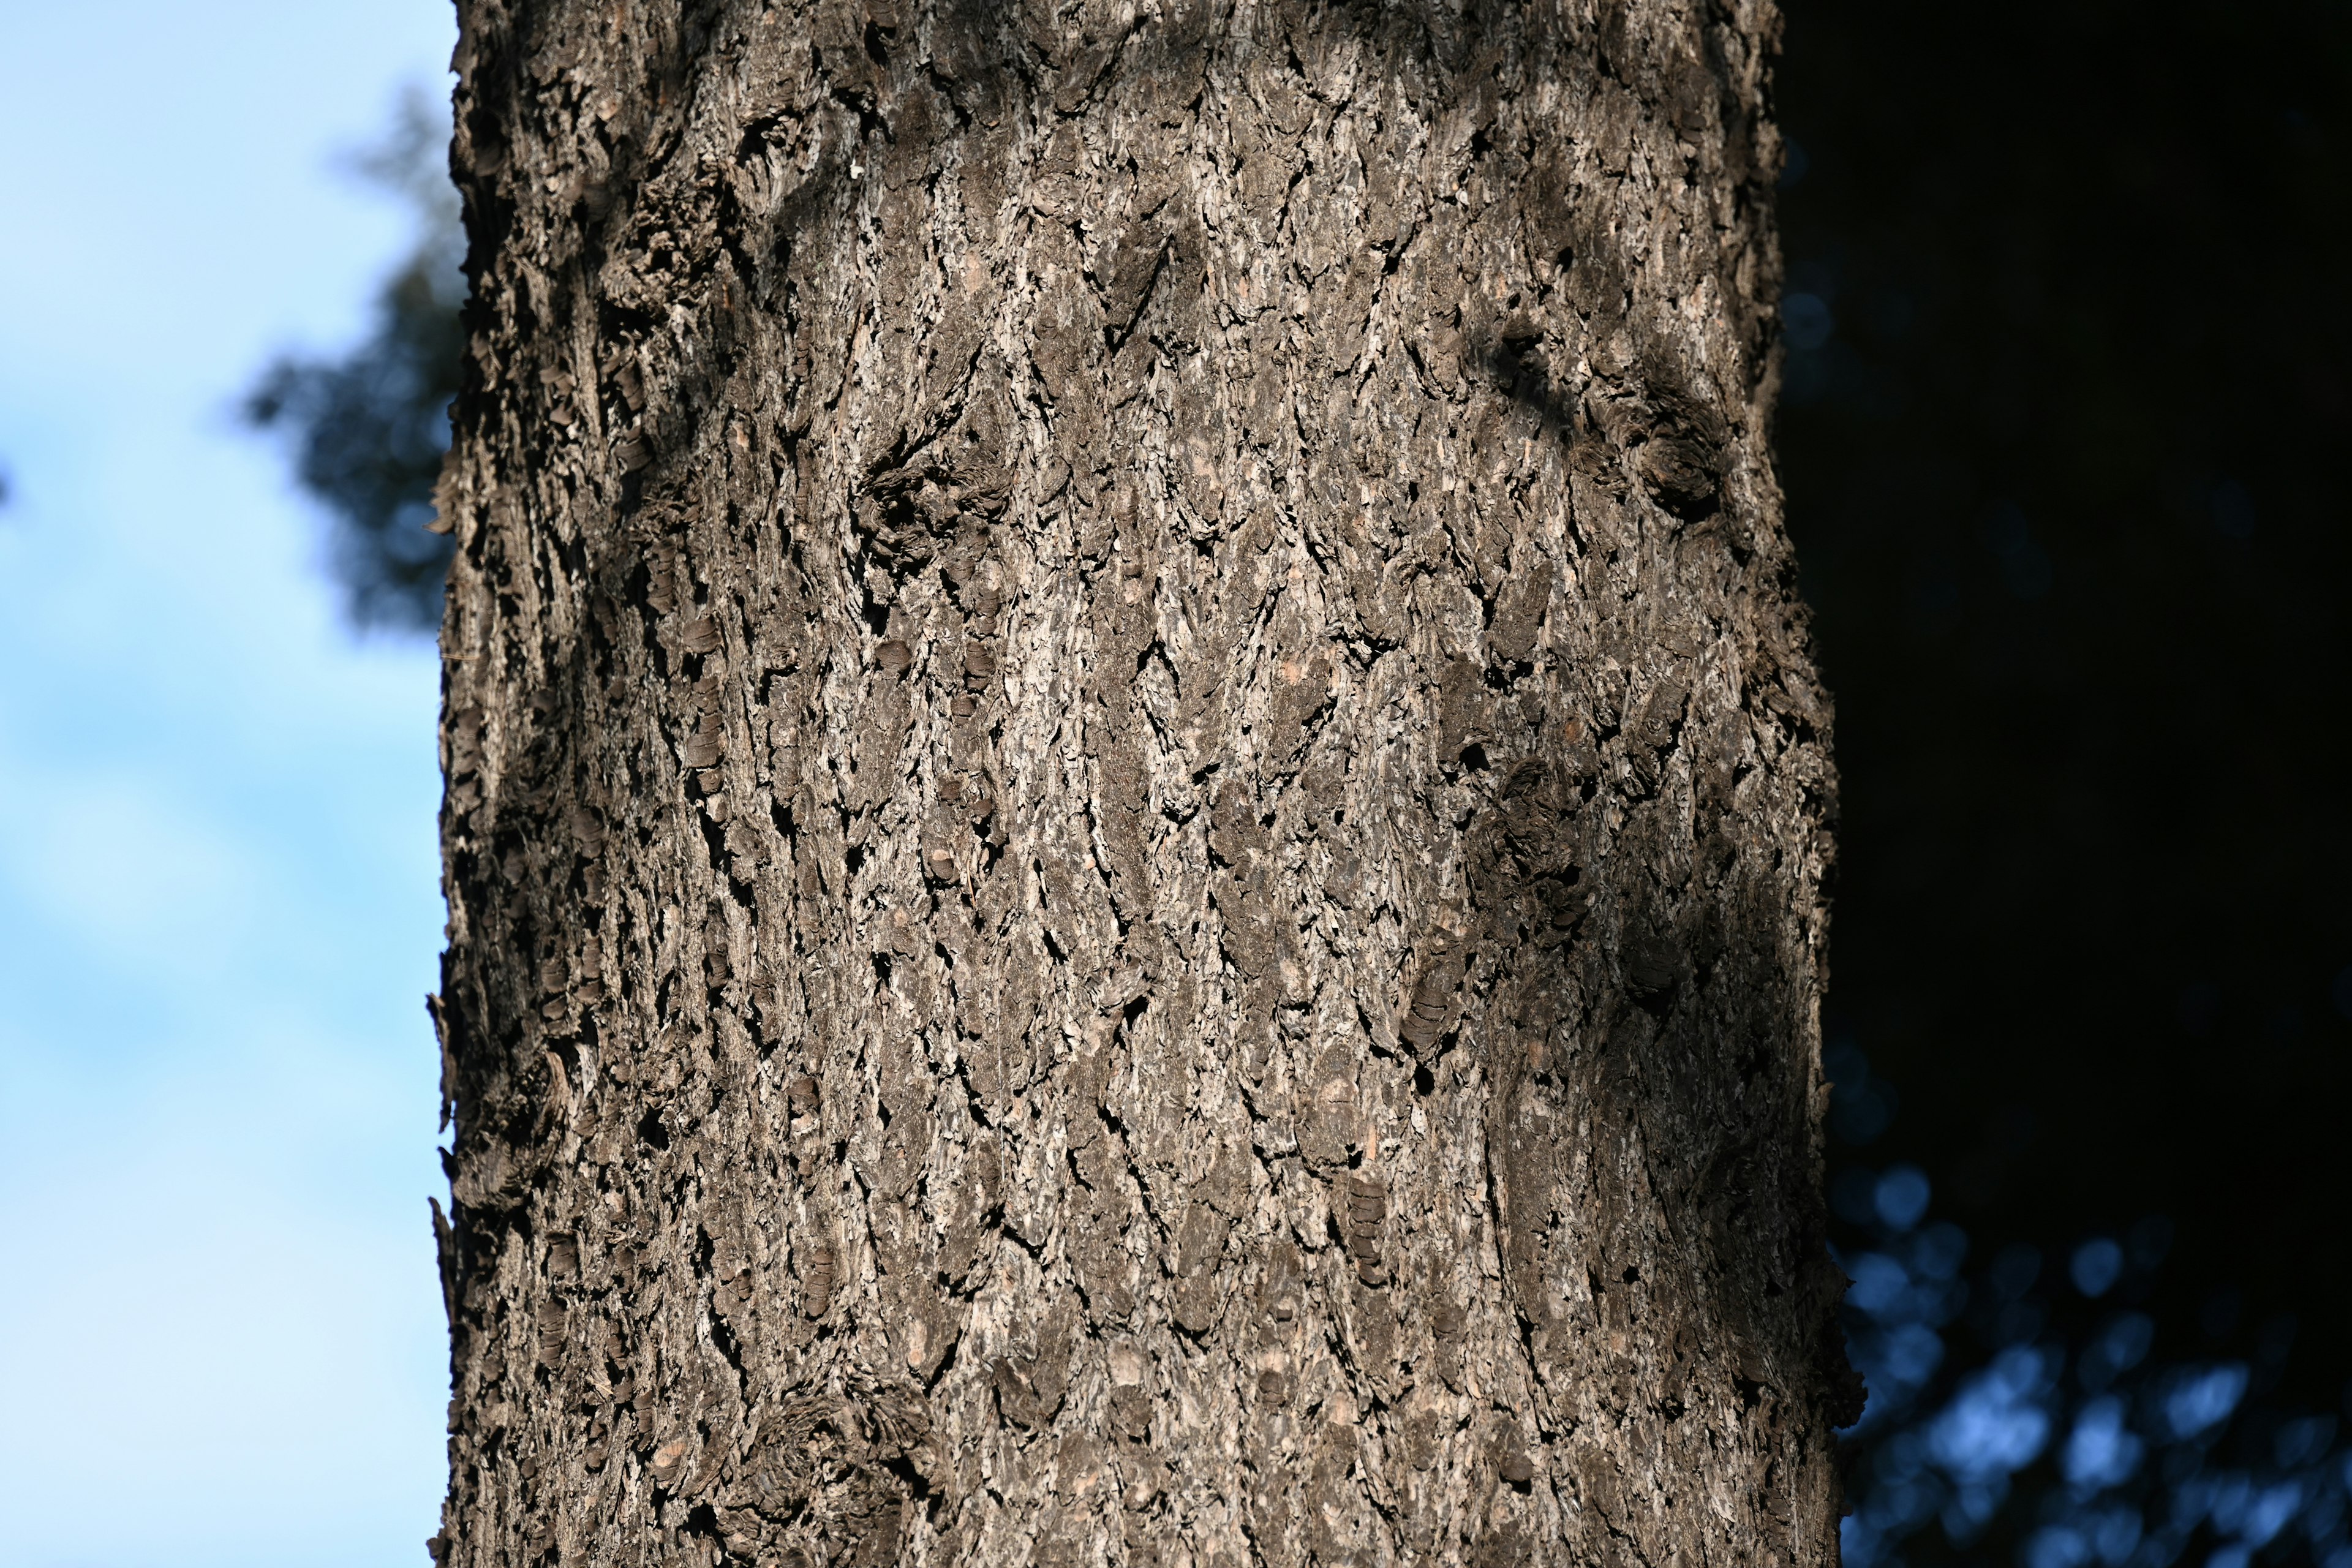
[909, 515]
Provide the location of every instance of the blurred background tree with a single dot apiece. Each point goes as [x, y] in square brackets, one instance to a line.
[367, 428]
[2065, 402]
[2069, 381]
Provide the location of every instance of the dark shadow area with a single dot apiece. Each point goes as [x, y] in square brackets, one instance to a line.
[2067, 392]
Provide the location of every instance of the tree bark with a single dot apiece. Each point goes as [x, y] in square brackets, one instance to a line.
[1135, 810]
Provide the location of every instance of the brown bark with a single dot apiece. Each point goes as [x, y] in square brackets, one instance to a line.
[1136, 809]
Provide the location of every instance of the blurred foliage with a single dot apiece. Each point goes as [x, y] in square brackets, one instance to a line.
[2069, 373]
[367, 428]
[2025, 1406]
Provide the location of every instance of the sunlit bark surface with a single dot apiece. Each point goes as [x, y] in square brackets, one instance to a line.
[1135, 810]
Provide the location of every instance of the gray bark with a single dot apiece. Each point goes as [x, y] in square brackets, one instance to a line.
[1135, 810]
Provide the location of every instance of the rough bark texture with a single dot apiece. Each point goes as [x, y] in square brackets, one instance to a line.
[1136, 811]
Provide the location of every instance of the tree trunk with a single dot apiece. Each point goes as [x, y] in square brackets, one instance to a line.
[1135, 810]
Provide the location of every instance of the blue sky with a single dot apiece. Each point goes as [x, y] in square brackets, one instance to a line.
[220, 1333]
